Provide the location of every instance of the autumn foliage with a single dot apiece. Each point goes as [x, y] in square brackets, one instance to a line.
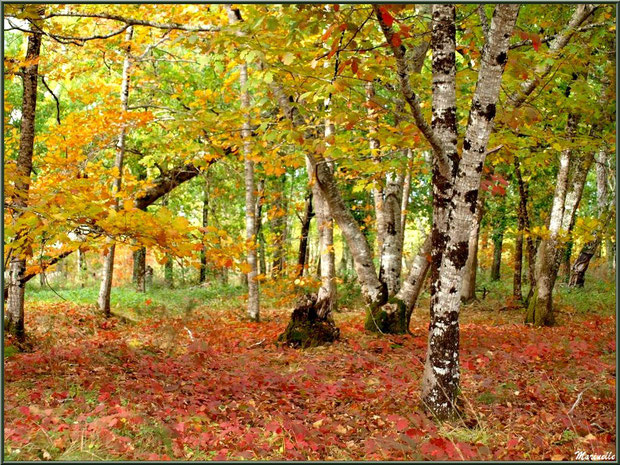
[208, 386]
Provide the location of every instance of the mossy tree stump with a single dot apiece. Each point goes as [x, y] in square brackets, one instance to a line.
[306, 328]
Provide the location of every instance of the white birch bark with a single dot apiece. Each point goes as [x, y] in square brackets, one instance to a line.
[540, 311]
[441, 374]
[108, 261]
[250, 199]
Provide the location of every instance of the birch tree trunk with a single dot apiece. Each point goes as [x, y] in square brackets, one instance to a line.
[234, 16]
[250, 200]
[108, 263]
[14, 316]
[440, 383]
[540, 306]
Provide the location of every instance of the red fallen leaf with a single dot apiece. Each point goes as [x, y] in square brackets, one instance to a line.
[467, 364]
[221, 455]
[180, 427]
[402, 424]
[24, 410]
[414, 433]
[512, 443]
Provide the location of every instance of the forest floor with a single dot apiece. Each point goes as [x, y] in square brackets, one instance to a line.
[174, 380]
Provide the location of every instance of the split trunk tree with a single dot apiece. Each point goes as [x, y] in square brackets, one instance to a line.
[455, 183]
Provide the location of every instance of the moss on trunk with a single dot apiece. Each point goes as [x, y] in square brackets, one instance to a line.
[540, 311]
[391, 318]
[306, 328]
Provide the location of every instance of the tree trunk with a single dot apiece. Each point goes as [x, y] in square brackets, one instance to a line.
[602, 197]
[540, 306]
[14, 322]
[440, 382]
[108, 264]
[524, 227]
[139, 269]
[345, 261]
[498, 242]
[390, 263]
[413, 284]
[580, 266]
[303, 238]
[169, 272]
[82, 268]
[205, 222]
[312, 322]
[405, 200]
[278, 226]
[468, 291]
[250, 200]
[260, 236]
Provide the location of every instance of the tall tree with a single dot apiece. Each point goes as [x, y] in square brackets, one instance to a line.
[453, 200]
[14, 322]
[108, 262]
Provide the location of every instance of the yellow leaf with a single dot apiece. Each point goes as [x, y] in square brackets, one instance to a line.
[245, 267]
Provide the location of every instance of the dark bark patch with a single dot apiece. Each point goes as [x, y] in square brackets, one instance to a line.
[471, 197]
[466, 144]
[487, 112]
[458, 254]
[452, 290]
[479, 167]
[439, 240]
[502, 58]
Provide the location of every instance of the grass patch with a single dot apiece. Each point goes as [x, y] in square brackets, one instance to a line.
[126, 298]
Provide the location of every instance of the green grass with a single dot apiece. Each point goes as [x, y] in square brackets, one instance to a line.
[127, 298]
[598, 296]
